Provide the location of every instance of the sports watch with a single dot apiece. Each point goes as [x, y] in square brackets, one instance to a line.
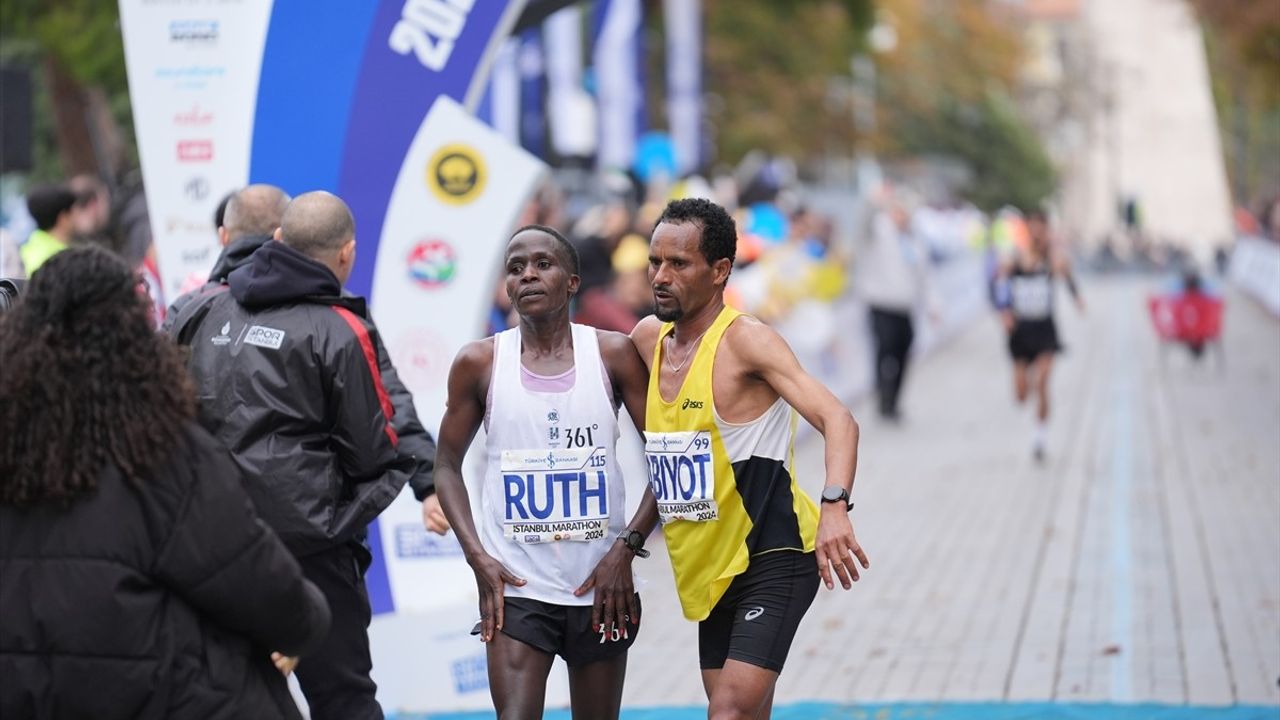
[836, 494]
[634, 540]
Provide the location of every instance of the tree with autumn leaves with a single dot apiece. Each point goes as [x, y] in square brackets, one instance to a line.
[945, 88]
[1243, 39]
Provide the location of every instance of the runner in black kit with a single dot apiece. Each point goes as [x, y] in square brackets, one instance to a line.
[1025, 298]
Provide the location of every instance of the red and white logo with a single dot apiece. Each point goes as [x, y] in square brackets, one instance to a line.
[195, 150]
[195, 117]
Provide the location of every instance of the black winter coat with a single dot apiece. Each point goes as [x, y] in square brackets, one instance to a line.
[288, 378]
[414, 438]
[160, 601]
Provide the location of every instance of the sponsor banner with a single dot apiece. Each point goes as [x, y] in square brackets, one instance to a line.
[1255, 267]
[219, 87]
[684, 80]
[446, 227]
[618, 61]
[193, 80]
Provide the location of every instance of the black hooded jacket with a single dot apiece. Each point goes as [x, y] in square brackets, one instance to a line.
[161, 600]
[414, 438]
[288, 377]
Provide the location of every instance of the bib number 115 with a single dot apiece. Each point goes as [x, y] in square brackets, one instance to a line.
[428, 29]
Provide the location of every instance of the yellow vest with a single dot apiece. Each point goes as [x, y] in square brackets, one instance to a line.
[38, 248]
[726, 491]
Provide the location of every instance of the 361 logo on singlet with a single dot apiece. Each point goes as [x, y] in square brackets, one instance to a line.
[552, 495]
[682, 475]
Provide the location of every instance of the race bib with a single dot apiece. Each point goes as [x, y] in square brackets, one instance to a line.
[682, 474]
[1032, 297]
[554, 495]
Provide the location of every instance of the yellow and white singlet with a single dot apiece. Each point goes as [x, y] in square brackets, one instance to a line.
[725, 491]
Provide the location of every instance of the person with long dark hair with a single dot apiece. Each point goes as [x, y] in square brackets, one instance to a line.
[136, 581]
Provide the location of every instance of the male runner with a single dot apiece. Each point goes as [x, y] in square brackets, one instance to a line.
[720, 433]
[550, 547]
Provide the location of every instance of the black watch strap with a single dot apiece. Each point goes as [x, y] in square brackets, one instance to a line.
[634, 540]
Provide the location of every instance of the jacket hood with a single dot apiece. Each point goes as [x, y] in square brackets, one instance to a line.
[236, 255]
[276, 274]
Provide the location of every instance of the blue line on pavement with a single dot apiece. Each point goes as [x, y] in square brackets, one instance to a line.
[1122, 396]
[935, 711]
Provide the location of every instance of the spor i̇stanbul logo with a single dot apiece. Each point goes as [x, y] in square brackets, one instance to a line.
[432, 263]
[456, 174]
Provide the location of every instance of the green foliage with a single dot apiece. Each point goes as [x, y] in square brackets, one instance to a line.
[81, 36]
[770, 65]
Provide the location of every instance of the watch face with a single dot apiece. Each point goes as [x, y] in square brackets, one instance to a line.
[834, 494]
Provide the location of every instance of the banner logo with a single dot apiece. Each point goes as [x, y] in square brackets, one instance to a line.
[456, 174]
[432, 263]
[193, 31]
[195, 150]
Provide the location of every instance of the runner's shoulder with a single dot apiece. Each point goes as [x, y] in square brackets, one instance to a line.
[645, 333]
[746, 332]
[475, 355]
[613, 342]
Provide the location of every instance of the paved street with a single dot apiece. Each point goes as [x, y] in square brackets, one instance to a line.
[1141, 563]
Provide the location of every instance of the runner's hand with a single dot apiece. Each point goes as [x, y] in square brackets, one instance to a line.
[1006, 319]
[491, 579]
[615, 599]
[284, 663]
[433, 517]
[837, 547]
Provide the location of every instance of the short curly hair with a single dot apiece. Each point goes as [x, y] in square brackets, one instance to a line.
[87, 382]
[719, 232]
[568, 253]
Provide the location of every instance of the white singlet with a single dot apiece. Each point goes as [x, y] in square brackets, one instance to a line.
[552, 502]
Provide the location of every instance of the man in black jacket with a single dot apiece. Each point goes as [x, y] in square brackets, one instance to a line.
[288, 378]
[250, 220]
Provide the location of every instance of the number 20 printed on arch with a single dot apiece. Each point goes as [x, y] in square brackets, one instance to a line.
[429, 29]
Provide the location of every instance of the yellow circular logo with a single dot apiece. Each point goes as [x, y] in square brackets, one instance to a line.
[456, 174]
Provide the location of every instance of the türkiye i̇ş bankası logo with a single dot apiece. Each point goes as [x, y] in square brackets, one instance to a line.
[432, 263]
[456, 174]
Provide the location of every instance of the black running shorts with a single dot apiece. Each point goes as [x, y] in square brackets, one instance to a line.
[564, 630]
[756, 620]
[1032, 338]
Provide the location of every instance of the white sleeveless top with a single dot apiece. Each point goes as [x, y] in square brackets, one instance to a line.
[552, 502]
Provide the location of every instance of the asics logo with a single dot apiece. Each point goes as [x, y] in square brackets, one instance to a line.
[695, 404]
[753, 613]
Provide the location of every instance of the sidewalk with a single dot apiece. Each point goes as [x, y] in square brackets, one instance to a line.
[1140, 564]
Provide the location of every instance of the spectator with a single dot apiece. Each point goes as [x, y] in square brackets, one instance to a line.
[51, 207]
[248, 221]
[136, 581]
[893, 281]
[287, 376]
[91, 214]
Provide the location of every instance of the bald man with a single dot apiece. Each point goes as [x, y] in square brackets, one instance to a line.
[288, 379]
[250, 219]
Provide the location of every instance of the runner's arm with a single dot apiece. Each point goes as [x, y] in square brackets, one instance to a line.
[1062, 266]
[645, 337]
[1003, 295]
[615, 597]
[765, 355]
[631, 380]
[464, 411]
